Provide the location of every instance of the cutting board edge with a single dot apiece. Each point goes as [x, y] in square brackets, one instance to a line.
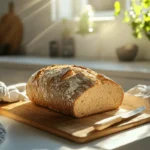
[37, 126]
[73, 138]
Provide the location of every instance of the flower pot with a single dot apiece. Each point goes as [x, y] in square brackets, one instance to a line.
[127, 52]
[86, 46]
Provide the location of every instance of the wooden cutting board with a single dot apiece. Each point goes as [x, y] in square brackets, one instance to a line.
[77, 130]
[11, 30]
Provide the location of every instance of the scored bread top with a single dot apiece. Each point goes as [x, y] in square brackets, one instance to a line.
[52, 84]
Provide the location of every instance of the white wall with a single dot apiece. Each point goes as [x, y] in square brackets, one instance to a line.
[35, 16]
[38, 33]
[3, 6]
[113, 34]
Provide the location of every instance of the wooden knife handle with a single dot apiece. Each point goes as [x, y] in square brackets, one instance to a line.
[105, 123]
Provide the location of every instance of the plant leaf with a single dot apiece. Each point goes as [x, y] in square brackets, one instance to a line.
[126, 17]
[117, 8]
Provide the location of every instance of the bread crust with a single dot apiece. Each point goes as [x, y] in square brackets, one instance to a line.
[58, 87]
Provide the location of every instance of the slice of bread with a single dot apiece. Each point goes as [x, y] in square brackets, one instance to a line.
[74, 90]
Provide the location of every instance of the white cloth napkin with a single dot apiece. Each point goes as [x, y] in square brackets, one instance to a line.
[12, 93]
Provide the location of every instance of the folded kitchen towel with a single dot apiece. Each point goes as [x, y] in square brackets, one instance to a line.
[12, 93]
[2, 133]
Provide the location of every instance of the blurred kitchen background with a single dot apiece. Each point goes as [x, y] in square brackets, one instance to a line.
[108, 36]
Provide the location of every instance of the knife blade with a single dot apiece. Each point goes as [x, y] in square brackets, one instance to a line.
[105, 123]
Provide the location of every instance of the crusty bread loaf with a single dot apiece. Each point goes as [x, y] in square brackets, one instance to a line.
[73, 90]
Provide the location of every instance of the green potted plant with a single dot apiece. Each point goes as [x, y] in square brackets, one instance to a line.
[85, 24]
[86, 37]
[137, 16]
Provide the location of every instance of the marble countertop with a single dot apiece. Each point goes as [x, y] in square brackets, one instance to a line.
[136, 69]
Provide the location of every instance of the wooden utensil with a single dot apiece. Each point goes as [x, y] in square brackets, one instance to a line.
[105, 123]
[11, 30]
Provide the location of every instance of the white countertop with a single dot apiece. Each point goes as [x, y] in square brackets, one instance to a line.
[23, 137]
[136, 69]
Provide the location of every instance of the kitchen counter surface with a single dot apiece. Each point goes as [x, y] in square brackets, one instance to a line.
[23, 137]
[136, 69]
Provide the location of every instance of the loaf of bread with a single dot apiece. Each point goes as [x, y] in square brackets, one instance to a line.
[74, 90]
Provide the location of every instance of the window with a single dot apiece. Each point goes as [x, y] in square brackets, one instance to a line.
[104, 9]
